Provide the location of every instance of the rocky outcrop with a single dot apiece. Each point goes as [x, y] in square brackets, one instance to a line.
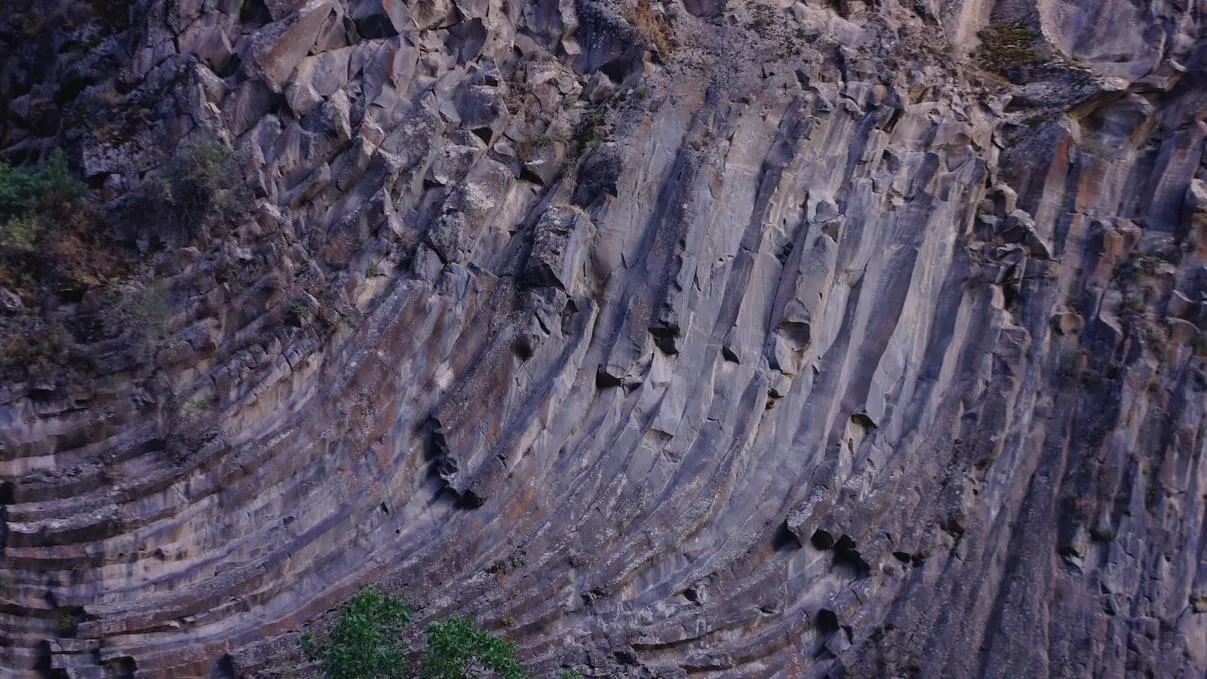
[728, 339]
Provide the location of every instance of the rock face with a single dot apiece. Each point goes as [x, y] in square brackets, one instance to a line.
[733, 339]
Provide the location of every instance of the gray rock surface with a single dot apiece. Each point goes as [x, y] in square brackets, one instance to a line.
[731, 339]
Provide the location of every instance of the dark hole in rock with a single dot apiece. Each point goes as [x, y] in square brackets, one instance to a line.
[254, 14]
[903, 557]
[375, 26]
[664, 339]
[71, 88]
[384, 509]
[852, 559]
[827, 621]
[605, 381]
[229, 67]
[845, 554]
[785, 539]
[470, 500]
[863, 420]
[729, 355]
[531, 177]
[822, 539]
[616, 70]
[522, 348]
[952, 526]
[772, 398]
[691, 595]
[484, 133]
[1009, 295]
[224, 667]
[626, 656]
[437, 447]
[797, 332]
[917, 558]
[70, 294]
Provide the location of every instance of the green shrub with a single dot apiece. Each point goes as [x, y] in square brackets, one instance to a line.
[201, 182]
[457, 648]
[29, 198]
[199, 175]
[20, 232]
[144, 314]
[67, 625]
[23, 191]
[366, 642]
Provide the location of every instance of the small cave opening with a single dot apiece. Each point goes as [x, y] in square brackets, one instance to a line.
[822, 539]
[254, 14]
[522, 348]
[604, 380]
[484, 133]
[827, 621]
[784, 539]
[846, 555]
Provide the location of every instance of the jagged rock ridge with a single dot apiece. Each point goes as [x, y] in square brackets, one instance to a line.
[729, 339]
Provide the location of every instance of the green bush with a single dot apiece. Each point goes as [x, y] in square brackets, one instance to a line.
[201, 182]
[366, 642]
[29, 198]
[20, 233]
[457, 648]
[24, 191]
[144, 313]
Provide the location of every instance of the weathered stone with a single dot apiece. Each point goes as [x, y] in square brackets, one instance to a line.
[317, 78]
[379, 18]
[280, 47]
[559, 248]
[667, 339]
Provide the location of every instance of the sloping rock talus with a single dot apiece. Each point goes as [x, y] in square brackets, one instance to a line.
[727, 339]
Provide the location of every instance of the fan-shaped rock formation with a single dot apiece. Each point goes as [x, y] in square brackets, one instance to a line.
[729, 339]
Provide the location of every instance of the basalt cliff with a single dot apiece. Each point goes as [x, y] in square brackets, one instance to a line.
[684, 338]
